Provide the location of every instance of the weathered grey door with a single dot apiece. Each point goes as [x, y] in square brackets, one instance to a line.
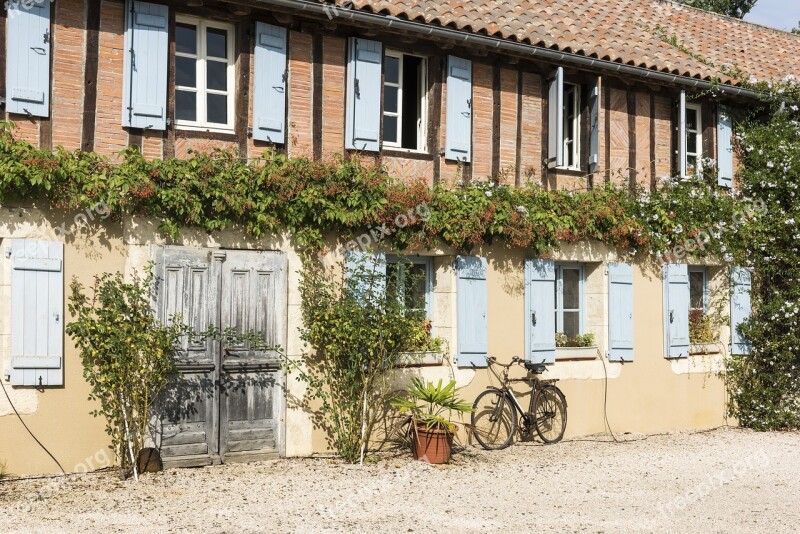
[226, 403]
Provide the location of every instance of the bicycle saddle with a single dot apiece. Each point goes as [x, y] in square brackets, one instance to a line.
[535, 368]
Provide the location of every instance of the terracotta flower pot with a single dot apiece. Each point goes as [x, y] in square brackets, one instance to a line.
[433, 446]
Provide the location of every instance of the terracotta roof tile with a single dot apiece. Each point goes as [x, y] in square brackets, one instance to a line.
[624, 31]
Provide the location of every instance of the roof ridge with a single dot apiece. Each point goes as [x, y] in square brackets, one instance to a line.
[757, 25]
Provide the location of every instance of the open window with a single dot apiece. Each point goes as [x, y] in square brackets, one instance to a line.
[694, 138]
[411, 279]
[404, 101]
[572, 120]
[569, 300]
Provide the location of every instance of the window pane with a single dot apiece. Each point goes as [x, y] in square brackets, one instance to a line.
[415, 282]
[572, 326]
[186, 71]
[186, 38]
[390, 129]
[691, 165]
[390, 99]
[217, 74]
[691, 143]
[691, 119]
[217, 109]
[571, 278]
[392, 70]
[696, 290]
[185, 105]
[216, 43]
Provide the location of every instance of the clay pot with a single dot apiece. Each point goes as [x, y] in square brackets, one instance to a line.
[433, 446]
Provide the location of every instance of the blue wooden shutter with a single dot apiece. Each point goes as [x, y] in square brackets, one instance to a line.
[28, 58]
[540, 306]
[368, 272]
[676, 310]
[682, 163]
[269, 106]
[37, 313]
[555, 121]
[594, 126]
[620, 312]
[364, 70]
[724, 147]
[458, 144]
[741, 284]
[144, 102]
[471, 294]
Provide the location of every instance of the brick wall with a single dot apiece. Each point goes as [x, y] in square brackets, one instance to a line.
[521, 139]
[482, 120]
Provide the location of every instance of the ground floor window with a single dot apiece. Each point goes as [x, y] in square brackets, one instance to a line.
[569, 300]
[411, 279]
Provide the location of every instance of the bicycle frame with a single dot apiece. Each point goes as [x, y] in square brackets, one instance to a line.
[528, 415]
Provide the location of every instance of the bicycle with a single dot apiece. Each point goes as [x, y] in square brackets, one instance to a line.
[494, 416]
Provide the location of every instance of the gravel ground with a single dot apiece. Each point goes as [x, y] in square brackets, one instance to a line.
[719, 481]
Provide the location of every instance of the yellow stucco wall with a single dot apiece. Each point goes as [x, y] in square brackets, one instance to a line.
[651, 394]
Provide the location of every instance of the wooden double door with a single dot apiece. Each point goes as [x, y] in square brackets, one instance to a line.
[227, 402]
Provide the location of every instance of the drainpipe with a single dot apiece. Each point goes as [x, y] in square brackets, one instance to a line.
[554, 56]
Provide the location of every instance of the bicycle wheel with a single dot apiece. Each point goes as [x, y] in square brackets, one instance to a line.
[494, 420]
[550, 411]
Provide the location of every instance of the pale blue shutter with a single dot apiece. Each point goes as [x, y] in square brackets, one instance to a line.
[364, 70]
[620, 312]
[28, 58]
[676, 310]
[594, 126]
[682, 163]
[144, 102]
[724, 147]
[741, 285]
[37, 313]
[367, 272]
[555, 121]
[471, 294]
[269, 105]
[540, 306]
[458, 144]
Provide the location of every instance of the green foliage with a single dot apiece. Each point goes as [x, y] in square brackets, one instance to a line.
[764, 386]
[731, 8]
[432, 405]
[126, 354]
[702, 329]
[580, 340]
[421, 340]
[357, 332]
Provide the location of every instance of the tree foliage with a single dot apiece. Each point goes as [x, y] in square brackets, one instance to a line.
[731, 8]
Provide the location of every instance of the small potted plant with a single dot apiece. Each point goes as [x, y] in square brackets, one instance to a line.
[432, 407]
[424, 348]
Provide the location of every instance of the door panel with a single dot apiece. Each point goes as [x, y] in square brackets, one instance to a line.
[254, 300]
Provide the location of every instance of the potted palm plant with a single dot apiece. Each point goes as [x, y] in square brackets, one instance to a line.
[432, 407]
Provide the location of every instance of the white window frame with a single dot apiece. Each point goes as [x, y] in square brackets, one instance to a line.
[704, 272]
[572, 147]
[698, 133]
[559, 310]
[427, 262]
[422, 141]
[201, 124]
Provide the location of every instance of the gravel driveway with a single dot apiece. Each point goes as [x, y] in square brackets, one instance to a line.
[720, 481]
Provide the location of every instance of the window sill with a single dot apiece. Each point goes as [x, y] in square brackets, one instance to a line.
[704, 348]
[576, 353]
[204, 129]
[420, 359]
[406, 153]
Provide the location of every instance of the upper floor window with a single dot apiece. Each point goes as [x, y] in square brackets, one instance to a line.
[204, 74]
[404, 101]
[571, 140]
[698, 289]
[694, 138]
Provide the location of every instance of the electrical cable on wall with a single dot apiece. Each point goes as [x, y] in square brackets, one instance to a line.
[28, 429]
